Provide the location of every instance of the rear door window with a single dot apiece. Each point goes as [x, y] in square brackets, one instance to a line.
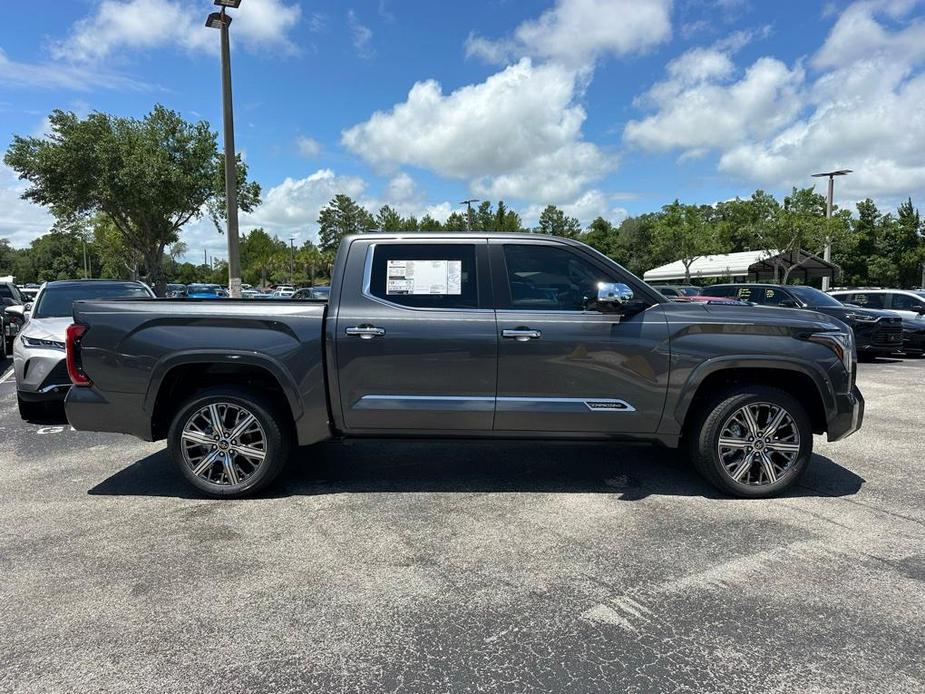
[904, 302]
[441, 276]
[864, 299]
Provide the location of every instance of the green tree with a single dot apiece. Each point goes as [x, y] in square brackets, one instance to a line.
[389, 220]
[428, 223]
[7, 257]
[261, 254]
[555, 222]
[800, 223]
[484, 218]
[602, 236]
[455, 222]
[148, 176]
[686, 233]
[340, 218]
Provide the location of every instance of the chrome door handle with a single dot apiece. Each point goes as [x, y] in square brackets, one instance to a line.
[365, 332]
[522, 334]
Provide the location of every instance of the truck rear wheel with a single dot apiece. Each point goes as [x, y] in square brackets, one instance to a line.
[228, 442]
[754, 441]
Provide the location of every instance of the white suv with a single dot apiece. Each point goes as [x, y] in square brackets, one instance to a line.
[908, 303]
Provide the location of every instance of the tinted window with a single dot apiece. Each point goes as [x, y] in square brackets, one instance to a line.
[425, 275]
[904, 302]
[690, 291]
[668, 291]
[56, 302]
[721, 291]
[865, 299]
[813, 297]
[550, 278]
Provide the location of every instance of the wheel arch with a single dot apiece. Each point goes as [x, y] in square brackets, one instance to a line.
[800, 379]
[181, 375]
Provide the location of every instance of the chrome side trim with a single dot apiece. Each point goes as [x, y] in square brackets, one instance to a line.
[476, 403]
[458, 403]
[522, 404]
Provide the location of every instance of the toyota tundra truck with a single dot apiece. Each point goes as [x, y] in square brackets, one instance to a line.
[464, 335]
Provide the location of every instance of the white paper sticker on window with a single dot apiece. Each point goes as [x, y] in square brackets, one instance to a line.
[424, 277]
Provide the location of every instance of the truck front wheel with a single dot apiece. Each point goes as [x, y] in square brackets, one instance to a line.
[752, 441]
[227, 442]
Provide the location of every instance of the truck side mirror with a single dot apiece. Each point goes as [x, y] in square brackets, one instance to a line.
[614, 293]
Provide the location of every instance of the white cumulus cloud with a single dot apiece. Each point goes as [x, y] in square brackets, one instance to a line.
[147, 24]
[575, 32]
[516, 134]
[857, 105]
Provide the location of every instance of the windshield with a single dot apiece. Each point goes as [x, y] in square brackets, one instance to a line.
[57, 302]
[690, 291]
[813, 297]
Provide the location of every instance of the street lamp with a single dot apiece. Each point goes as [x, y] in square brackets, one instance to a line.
[291, 259]
[468, 204]
[221, 21]
[827, 254]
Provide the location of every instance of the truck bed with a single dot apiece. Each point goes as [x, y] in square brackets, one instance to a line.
[134, 345]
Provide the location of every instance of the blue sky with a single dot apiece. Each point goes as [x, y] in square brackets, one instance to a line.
[604, 107]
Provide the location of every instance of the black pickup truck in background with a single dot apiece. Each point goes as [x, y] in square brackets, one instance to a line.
[465, 335]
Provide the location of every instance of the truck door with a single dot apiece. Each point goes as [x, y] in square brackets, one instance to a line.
[415, 339]
[563, 368]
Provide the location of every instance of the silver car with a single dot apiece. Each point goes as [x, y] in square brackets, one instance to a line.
[38, 350]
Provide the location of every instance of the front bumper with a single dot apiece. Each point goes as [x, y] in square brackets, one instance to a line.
[41, 374]
[882, 337]
[847, 415]
[914, 340]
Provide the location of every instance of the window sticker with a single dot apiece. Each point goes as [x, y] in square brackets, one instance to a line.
[442, 277]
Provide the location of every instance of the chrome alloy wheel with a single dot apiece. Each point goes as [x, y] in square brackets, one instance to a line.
[223, 443]
[758, 443]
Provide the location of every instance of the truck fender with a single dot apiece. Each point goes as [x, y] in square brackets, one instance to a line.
[727, 363]
[225, 356]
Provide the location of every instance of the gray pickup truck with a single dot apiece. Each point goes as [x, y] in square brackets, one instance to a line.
[465, 335]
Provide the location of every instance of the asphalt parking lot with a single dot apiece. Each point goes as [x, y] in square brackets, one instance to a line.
[470, 566]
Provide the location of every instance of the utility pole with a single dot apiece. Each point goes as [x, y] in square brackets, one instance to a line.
[221, 21]
[827, 254]
[291, 259]
[468, 204]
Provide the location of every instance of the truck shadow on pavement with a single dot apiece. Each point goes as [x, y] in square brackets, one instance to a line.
[628, 472]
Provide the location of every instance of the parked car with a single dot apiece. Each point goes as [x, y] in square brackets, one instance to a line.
[205, 291]
[908, 303]
[491, 335]
[38, 351]
[284, 291]
[321, 293]
[875, 332]
[250, 294]
[10, 295]
[679, 292]
[176, 291]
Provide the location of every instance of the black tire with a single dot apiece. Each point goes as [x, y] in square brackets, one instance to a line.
[30, 411]
[703, 439]
[275, 429]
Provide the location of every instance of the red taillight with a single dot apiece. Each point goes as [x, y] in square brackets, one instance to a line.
[72, 349]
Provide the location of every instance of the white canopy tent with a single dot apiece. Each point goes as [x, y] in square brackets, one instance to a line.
[746, 266]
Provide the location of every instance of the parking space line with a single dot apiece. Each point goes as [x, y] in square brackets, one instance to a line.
[6, 376]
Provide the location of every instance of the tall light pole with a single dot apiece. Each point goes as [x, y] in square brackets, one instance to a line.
[291, 259]
[827, 254]
[468, 204]
[220, 20]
